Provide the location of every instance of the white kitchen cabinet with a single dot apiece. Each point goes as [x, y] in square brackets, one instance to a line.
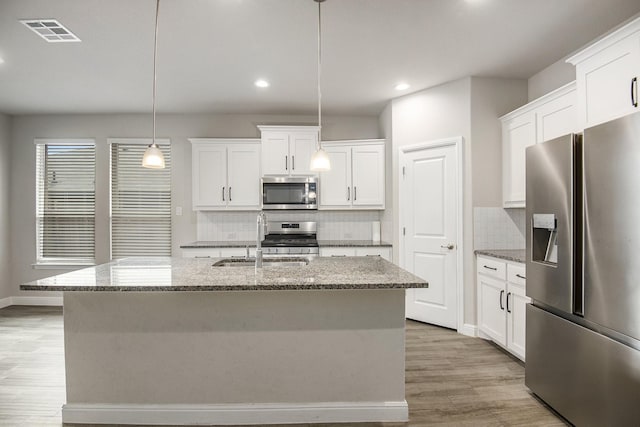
[502, 303]
[606, 74]
[225, 174]
[548, 117]
[357, 176]
[230, 252]
[335, 251]
[287, 150]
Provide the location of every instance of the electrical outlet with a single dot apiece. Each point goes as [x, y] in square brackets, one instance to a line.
[178, 210]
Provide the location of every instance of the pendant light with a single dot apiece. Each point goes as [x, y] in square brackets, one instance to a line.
[153, 157]
[320, 160]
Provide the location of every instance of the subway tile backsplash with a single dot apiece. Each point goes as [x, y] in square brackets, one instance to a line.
[498, 228]
[332, 225]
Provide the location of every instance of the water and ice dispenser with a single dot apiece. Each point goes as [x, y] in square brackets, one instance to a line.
[544, 245]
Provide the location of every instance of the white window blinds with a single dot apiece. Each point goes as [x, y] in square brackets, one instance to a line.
[65, 201]
[140, 202]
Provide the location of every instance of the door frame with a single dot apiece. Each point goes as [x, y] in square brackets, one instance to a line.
[458, 143]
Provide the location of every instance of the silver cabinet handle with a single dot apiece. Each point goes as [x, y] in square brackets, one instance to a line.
[348, 193]
[373, 255]
[223, 194]
[520, 276]
[202, 256]
[490, 268]
[634, 92]
[293, 162]
[286, 163]
[449, 246]
[338, 256]
[229, 193]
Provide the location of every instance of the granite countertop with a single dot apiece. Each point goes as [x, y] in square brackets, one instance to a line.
[196, 274]
[203, 244]
[517, 255]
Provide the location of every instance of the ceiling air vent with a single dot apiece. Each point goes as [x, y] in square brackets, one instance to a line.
[50, 30]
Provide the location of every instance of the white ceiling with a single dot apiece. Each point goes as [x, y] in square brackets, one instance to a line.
[211, 51]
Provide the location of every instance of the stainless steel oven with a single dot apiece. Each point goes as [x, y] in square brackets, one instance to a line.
[289, 193]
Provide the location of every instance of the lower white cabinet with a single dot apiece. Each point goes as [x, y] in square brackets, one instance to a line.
[217, 252]
[502, 303]
[384, 252]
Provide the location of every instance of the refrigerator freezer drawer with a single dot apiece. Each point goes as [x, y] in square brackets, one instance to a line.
[588, 378]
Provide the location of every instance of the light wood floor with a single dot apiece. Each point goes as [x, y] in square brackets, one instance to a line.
[451, 380]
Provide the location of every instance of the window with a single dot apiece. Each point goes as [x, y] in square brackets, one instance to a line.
[65, 201]
[140, 201]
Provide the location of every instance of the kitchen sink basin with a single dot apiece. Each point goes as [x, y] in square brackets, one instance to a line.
[266, 262]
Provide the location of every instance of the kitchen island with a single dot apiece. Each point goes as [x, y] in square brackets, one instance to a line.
[178, 341]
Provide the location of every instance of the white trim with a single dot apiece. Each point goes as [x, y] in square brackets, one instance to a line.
[64, 141]
[625, 30]
[542, 100]
[286, 128]
[468, 330]
[52, 301]
[5, 302]
[458, 142]
[141, 141]
[242, 413]
[196, 141]
[354, 142]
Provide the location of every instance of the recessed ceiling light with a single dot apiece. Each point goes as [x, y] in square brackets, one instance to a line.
[50, 30]
[261, 83]
[402, 86]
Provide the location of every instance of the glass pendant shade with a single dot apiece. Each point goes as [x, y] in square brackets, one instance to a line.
[153, 157]
[320, 161]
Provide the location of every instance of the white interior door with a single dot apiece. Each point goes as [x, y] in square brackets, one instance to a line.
[429, 213]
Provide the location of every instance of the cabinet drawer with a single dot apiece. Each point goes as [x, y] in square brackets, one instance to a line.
[337, 252]
[201, 253]
[516, 273]
[492, 267]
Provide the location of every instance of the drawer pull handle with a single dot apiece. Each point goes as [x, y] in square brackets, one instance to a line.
[501, 295]
[490, 268]
[202, 256]
[634, 92]
[520, 276]
[338, 256]
[373, 255]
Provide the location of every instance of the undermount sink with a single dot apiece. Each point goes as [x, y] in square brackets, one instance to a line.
[266, 262]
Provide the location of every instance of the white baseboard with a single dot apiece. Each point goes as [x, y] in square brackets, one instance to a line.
[5, 302]
[469, 330]
[36, 301]
[245, 413]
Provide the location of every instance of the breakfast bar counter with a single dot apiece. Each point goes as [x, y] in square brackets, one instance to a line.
[179, 341]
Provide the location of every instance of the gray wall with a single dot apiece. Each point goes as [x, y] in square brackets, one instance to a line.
[5, 175]
[102, 126]
[470, 108]
[552, 77]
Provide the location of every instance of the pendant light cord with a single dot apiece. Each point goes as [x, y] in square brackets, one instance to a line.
[319, 74]
[155, 54]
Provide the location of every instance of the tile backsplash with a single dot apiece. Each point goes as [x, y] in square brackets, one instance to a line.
[498, 228]
[332, 225]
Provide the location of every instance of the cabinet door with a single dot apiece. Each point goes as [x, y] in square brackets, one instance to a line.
[367, 171]
[374, 251]
[557, 117]
[275, 153]
[209, 179]
[335, 185]
[491, 308]
[517, 134]
[604, 82]
[302, 145]
[244, 176]
[516, 322]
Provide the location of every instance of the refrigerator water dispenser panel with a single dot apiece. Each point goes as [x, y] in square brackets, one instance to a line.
[544, 245]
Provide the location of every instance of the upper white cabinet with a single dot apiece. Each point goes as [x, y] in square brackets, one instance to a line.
[225, 174]
[548, 117]
[287, 150]
[607, 75]
[357, 176]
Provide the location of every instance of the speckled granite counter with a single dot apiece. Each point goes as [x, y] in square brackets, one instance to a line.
[517, 255]
[204, 244]
[351, 243]
[190, 274]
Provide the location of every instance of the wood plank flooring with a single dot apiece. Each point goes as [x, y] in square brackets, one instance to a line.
[451, 380]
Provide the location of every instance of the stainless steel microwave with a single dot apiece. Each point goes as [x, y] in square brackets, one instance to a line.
[289, 192]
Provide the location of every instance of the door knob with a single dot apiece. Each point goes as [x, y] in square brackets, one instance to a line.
[449, 246]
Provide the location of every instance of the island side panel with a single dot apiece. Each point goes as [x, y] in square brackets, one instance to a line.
[234, 347]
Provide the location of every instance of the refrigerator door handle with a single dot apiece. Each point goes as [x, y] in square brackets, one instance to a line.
[501, 295]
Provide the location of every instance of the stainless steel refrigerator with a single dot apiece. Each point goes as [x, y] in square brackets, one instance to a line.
[583, 274]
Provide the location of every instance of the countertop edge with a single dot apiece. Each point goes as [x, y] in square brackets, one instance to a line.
[515, 255]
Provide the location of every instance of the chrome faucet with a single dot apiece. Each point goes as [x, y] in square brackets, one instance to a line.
[261, 225]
